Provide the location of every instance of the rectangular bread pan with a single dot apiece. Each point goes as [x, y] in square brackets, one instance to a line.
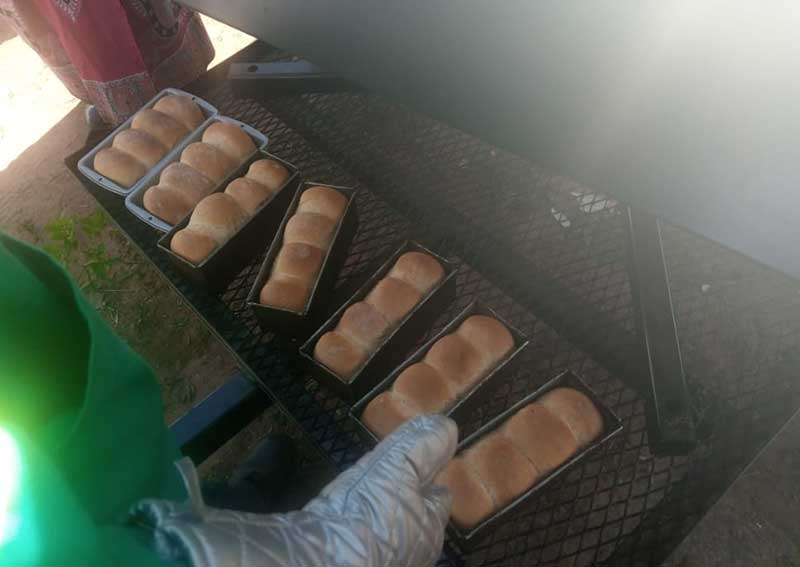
[86, 163]
[221, 266]
[612, 426]
[473, 397]
[134, 202]
[292, 323]
[394, 346]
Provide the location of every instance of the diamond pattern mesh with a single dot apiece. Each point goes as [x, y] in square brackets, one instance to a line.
[549, 256]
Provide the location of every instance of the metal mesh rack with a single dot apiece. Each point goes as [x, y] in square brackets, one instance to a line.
[549, 256]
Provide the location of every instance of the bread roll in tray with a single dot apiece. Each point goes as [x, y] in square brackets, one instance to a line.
[152, 134]
[364, 324]
[505, 463]
[450, 368]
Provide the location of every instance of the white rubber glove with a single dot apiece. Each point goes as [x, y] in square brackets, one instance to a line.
[384, 511]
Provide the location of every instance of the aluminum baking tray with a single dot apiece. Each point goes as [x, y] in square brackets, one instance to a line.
[134, 202]
[86, 163]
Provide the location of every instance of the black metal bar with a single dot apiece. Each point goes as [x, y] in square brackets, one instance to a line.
[284, 77]
[670, 419]
[220, 416]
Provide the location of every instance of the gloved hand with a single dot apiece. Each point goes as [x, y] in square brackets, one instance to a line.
[384, 511]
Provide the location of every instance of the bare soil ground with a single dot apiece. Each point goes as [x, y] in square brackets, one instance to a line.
[41, 202]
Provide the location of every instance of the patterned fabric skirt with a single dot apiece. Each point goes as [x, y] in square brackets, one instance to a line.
[115, 54]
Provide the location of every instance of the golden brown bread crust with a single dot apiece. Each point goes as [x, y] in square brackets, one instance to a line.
[118, 166]
[192, 245]
[472, 502]
[216, 218]
[576, 411]
[306, 240]
[167, 204]
[322, 201]
[161, 126]
[425, 388]
[310, 228]
[490, 337]
[269, 173]
[340, 355]
[181, 108]
[505, 471]
[285, 293]
[386, 413]
[248, 193]
[364, 332]
[420, 270]
[393, 298]
[363, 325]
[299, 260]
[219, 216]
[186, 180]
[231, 140]
[208, 160]
[511, 459]
[451, 367]
[540, 436]
[141, 145]
[458, 362]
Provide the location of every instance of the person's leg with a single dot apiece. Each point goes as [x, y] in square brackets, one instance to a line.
[259, 484]
[93, 118]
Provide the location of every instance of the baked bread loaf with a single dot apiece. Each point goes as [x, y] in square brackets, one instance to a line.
[119, 166]
[141, 145]
[181, 108]
[179, 189]
[208, 160]
[306, 240]
[153, 132]
[182, 186]
[231, 140]
[216, 217]
[161, 126]
[450, 368]
[501, 466]
[364, 323]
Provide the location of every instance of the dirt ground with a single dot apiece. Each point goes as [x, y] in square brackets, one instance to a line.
[41, 202]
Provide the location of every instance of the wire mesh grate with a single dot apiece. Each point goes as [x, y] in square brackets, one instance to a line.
[549, 256]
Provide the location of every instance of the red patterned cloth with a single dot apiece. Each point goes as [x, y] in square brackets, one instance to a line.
[115, 54]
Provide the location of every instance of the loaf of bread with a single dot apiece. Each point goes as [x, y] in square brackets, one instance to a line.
[362, 326]
[218, 216]
[179, 189]
[161, 126]
[208, 160]
[119, 166]
[504, 464]
[201, 168]
[231, 140]
[450, 368]
[306, 240]
[181, 108]
[153, 132]
[141, 145]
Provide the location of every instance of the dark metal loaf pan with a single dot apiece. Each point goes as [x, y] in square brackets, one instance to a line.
[396, 344]
[221, 266]
[612, 426]
[473, 397]
[293, 323]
